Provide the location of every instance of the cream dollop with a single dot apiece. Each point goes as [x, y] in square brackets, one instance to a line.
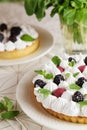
[10, 46]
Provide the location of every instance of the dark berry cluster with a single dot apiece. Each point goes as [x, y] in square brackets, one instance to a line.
[40, 83]
[80, 81]
[1, 37]
[58, 78]
[3, 27]
[85, 60]
[77, 97]
[15, 31]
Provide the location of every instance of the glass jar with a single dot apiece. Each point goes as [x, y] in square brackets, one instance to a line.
[74, 38]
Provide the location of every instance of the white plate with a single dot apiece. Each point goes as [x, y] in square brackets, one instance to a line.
[46, 44]
[29, 105]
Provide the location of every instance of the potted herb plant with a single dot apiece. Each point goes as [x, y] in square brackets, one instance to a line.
[73, 19]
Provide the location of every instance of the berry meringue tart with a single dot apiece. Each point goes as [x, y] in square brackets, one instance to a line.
[17, 41]
[61, 87]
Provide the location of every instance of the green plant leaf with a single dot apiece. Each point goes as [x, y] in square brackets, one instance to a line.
[67, 75]
[27, 38]
[2, 107]
[7, 104]
[82, 103]
[74, 86]
[72, 63]
[9, 114]
[45, 92]
[75, 74]
[30, 6]
[41, 72]
[46, 75]
[56, 60]
[69, 15]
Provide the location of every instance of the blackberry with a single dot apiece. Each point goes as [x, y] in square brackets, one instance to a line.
[12, 38]
[77, 97]
[80, 81]
[71, 59]
[85, 60]
[40, 83]
[15, 31]
[58, 78]
[3, 27]
[1, 37]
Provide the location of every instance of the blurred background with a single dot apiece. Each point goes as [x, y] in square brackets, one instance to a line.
[11, 0]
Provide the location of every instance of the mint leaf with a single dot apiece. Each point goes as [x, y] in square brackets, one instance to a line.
[30, 6]
[74, 86]
[45, 92]
[69, 15]
[75, 74]
[56, 60]
[41, 72]
[7, 109]
[27, 38]
[72, 63]
[7, 103]
[2, 107]
[67, 75]
[83, 103]
[9, 114]
[46, 75]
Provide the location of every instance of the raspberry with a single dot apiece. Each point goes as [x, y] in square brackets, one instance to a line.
[12, 38]
[85, 60]
[77, 97]
[40, 83]
[80, 81]
[60, 68]
[81, 68]
[58, 92]
[58, 78]
[1, 37]
[3, 27]
[71, 59]
[15, 31]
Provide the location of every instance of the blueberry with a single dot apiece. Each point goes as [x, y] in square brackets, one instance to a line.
[58, 78]
[71, 59]
[80, 81]
[15, 31]
[1, 37]
[40, 83]
[3, 27]
[77, 97]
[12, 38]
[85, 60]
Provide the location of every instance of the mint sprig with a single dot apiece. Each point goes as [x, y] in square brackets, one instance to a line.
[75, 74]
[67, 75]
[72, 63]
[74, 86]
[7, 110]
[82, 103]
[27, 38]
[56, 60]
[45, 92]
[45, 74]
[72, 13]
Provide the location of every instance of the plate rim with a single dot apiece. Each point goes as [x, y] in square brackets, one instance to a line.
[61, 123]
[31, 57]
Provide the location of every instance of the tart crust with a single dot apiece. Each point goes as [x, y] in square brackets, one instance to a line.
[74, 119]
[20, 53]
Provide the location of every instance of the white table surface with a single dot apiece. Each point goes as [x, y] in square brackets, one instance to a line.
[11, 75]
